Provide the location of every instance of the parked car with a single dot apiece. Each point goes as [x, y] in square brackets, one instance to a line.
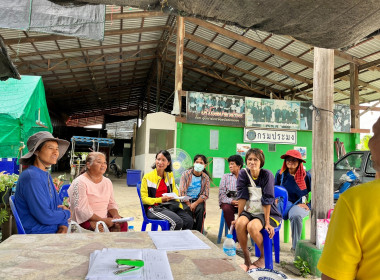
[358, 161]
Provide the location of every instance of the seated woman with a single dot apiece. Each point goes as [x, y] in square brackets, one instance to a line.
[256, 205]
[157, 182]
[37, 202]
[297, 182]
[195, 183]
[227, 189]
[91, 196]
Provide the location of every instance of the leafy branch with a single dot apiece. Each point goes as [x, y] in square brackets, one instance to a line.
[302, 266]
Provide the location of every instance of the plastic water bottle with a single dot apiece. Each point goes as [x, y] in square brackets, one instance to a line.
[229, 247]
[131, 229]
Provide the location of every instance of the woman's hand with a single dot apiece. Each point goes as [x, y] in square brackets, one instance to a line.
[270, 230]
[193, 206]
[63, 207]
[166, 198]
[234, 203]
[304, 206]
[109, 222]
[62, 229]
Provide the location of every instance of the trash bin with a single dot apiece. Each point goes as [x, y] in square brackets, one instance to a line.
[9, 165]
[133, 177]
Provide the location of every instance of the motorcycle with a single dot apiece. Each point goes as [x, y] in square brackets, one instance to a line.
[115, 168]
[348, 180]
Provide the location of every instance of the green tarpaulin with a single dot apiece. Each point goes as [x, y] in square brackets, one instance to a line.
[23, 112]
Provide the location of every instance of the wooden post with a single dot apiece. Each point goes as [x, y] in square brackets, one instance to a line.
[134, 146]
[158, 87]
[354, 95]
[179, 59]
[323, 153]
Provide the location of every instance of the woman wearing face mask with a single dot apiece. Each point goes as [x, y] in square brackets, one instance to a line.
[256, 205]
[157, 206]
[195, 183]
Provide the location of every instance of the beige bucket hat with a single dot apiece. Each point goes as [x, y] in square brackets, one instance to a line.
[37, 139]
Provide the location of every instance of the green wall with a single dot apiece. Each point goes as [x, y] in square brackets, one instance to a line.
[195, 139]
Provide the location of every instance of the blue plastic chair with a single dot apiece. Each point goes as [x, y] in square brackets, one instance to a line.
[164, 224]
[63, 191]
[223, 225]
[20, 228]
[278, 192]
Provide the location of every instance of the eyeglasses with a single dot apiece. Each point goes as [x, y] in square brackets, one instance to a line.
[291, 159]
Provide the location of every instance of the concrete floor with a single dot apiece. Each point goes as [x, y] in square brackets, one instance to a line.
[129, 206]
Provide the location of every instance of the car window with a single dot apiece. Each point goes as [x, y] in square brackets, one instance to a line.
[352, 161]
[369, 167]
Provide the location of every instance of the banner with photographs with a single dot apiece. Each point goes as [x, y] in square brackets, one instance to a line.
[270, 113]
[216, 109]
[342, 117]
[272, 136]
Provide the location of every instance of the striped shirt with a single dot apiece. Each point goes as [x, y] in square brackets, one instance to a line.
[186, 182]
[227, 183]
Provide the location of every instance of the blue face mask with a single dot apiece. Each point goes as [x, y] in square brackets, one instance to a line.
[198, 167]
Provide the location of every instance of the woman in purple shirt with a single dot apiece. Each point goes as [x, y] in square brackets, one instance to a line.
[256, 205]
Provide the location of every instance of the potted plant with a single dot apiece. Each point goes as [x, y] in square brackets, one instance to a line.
[7, 181]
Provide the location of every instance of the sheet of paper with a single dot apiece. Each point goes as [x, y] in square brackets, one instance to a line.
[175, 196]
[177, 240]
[102, 264]
[218, 165]
[121, 220]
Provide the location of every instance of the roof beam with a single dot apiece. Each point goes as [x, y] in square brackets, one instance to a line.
[236, 68]
[86, 49]
[216, 76]
[110, 17]
[61, 37]
[46, 68]
[249, 42]
[247, 58]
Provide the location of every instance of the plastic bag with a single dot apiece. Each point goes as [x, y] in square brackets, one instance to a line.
[104, 229]
[322, 228]
[74, 227]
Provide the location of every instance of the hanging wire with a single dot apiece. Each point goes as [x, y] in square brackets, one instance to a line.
[318, 112]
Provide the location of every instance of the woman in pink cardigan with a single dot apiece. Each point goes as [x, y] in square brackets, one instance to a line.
[91, 196]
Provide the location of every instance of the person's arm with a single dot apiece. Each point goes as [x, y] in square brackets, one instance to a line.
[267, 225]
[242, 190]
[39, 204]
[342, 252]
[206, 190]
[183, 185]
[325, 277]
[79, 203]
[241, 205]
[267, 199]
[277, 179]
[223, 190]
[144, 194]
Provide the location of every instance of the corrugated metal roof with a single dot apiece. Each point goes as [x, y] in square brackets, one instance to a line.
[67, 66]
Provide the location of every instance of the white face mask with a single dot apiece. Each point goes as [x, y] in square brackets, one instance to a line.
[198, 167]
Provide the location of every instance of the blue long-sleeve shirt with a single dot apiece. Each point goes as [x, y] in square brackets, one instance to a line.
[294, 192]
[36, 205]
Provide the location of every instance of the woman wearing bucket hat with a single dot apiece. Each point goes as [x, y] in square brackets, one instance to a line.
[36, 199]
[293, 177]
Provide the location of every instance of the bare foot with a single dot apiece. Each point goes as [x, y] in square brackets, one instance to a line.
[260, 262]
[245, 268]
